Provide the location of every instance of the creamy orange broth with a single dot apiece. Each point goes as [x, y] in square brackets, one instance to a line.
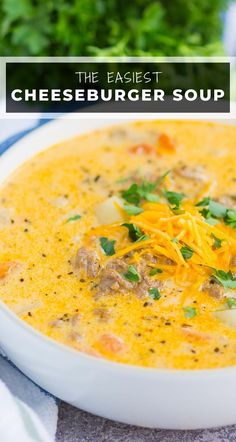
[40, 234]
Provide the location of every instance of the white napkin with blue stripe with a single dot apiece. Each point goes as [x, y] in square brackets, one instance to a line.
[27, 413]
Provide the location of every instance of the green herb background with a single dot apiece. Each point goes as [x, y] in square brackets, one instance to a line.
[111, 27]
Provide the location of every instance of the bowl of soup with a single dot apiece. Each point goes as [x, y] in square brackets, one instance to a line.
[118, 268]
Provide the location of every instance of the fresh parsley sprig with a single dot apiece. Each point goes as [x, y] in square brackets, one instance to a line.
[135, 233]
[73, 218]
[213, 211]
[154, 293]
[217, 241]
[231, 302]
[136, 193]
[107, 246]
[144, 191]
[190, 312]
[132, 210]
[186, 252]
[174, 198]
[155, 271]
[132, 274]
[227, 279]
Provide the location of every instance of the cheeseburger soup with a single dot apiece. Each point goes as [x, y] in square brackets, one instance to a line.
[122, 244]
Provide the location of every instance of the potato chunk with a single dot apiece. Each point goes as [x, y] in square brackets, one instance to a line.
[228, 317]
[110, 211]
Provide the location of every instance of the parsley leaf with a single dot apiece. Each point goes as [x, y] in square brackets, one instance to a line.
[217, 241]
[143, 238]
[226, 279]
[155, 271]
[216, 209]
[189, 312]
[230, 218]
[207, 215]
[154, 293]
[137, 30]
[177, 211]
[73, 218]
[187, 252]
[132, 210]
[151, 197]
[204, 202]
[173, 198]
[136, 193]
[131, 195]
[132, 274]
[231, 302]
[145, 191]
[107, 246]
[135, 233]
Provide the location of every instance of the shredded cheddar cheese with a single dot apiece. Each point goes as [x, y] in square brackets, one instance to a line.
[167, 232]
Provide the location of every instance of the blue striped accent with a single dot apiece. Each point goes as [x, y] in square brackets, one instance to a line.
[14, 138]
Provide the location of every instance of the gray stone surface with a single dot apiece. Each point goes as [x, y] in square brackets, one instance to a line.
[77, 426]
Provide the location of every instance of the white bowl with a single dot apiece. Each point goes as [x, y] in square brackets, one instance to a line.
[173, 399]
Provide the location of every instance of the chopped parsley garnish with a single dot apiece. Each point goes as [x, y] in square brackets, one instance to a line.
[136, 193]
[217, 241]
[231, 302]
[154, 293]
[155, 272]
[189, 312]
[216, 211]
[107, 246]
[174, 198]
[144, 237]
[230, 218]
[73, 218]
[135, 233]
[177, 211]
[132, 274]
[204, 202]
[152, 197]
[226, 279]
[131, 195]
[207, 215]
[132, 210]
[187, 252]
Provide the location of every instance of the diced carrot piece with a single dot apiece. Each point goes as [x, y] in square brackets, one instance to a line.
[195, 335]
[143, 148]
[6, 268]
[165, 144]
[112, 343]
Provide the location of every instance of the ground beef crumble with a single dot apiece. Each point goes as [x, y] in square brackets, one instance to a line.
[110, 278]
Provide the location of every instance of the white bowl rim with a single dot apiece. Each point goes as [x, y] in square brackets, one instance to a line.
[137, 369]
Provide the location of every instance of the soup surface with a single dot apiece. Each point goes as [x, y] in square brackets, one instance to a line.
[122, 244]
